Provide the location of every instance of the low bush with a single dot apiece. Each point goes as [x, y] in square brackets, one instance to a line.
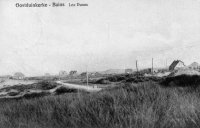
[13, 93]
[62, 90]
[182, 81]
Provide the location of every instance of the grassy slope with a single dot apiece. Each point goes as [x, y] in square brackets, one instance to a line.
[147, 105]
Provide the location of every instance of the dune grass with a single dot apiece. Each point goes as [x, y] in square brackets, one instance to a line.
[146, 105]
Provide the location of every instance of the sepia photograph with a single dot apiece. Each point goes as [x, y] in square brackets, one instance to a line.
[100, 64]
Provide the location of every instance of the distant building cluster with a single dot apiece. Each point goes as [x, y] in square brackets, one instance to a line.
[19, 76]
[174, 66]
[16, 76]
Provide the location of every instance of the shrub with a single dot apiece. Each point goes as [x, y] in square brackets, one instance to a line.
[13, 93]
[182, 81]
[43, 85]
[112, 79]
[131, 80]
[102, 81]
[65, 90]
[46, 85]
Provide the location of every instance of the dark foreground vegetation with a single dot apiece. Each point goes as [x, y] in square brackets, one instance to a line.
[182, 81]
[146, 105]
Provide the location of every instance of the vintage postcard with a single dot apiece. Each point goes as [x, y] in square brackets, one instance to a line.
[99, 63]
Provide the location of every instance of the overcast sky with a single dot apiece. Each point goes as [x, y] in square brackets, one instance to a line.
[106, 34]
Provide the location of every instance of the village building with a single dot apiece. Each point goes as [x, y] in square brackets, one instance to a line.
[95, 74]
[62, 74]
[92, 74]
[194, 66]
[19, 76]
[83, 74]
[149, 71]
[73, 73]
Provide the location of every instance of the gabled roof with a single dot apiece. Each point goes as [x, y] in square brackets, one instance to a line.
[175, 63]
[19, 74]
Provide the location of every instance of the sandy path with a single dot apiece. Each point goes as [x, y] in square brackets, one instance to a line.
[51, 91]
[76, 86]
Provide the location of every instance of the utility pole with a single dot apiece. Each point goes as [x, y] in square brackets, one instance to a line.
[87, 75]
[152, 66]
[137, 66]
